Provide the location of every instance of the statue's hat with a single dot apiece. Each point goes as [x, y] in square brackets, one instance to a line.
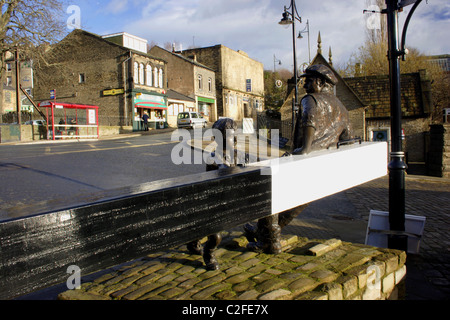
[321, 71]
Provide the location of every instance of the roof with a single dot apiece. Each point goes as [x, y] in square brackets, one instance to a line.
[185, 58]
[100, 38]
[49, 104]
[172, 94]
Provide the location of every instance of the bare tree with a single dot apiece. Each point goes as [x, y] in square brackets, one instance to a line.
[28, 24]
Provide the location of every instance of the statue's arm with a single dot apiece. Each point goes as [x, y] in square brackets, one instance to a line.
[308, 136]
[309, 109]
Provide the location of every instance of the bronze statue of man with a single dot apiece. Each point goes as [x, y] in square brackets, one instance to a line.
[322, 123]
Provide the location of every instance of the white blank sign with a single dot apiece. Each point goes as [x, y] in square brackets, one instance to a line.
[378, 227]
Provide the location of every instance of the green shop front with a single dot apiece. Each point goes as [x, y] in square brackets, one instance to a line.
[150, 103]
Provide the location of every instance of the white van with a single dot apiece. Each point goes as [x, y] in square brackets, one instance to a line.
[190, 120]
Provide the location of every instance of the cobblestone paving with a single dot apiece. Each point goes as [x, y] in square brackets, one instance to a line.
[305, 270]
[424, 196]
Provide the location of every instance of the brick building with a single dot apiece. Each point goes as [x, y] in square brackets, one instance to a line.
[239, 80]
[113, 72]
[192, 79]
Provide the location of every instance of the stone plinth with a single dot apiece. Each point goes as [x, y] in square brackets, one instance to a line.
[305, 270]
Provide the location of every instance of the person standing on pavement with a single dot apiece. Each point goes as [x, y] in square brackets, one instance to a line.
[145, 120]
[323, 122]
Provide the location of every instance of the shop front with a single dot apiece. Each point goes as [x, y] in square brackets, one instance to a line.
[206, 107]
[150, 106]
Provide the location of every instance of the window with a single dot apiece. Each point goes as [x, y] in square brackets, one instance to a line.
[141, 73]
[81, 78]
[200, 80]
[136, 73]
[155, 77]
[209, 84]
[9, 81]
[8, 66]
[148, 75]
[161, 78]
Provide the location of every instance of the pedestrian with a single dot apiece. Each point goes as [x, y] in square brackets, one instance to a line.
[322, 123]
[145, 120]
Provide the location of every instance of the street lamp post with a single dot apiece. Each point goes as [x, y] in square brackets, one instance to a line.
[397, 239]
[306, 30]
[275, 60]
[287, 19]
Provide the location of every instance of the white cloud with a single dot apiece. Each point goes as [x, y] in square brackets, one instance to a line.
[116, 6]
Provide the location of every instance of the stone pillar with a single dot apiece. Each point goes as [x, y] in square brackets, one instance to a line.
[438, 157]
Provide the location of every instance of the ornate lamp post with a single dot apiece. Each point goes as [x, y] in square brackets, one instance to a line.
[287, 19]
[397, 239]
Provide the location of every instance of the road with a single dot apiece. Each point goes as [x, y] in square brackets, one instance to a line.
[60, 172]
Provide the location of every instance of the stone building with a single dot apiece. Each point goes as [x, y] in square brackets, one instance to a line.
[178, 102]
[416, 107]
[8, 87]
[190, 78]
[113, 72]
[239, 80]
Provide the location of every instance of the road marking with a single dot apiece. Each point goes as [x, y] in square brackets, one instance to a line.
[115, 148]
[47, 151]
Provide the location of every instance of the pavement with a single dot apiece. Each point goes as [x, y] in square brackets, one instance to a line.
[345, 216]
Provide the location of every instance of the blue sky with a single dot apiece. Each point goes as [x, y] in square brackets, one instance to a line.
[252, 25]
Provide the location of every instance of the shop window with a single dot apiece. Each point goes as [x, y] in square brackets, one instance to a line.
[141, 73]
[148, 75]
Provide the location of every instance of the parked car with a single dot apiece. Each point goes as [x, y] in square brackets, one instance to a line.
[190, 120]
[36, 122]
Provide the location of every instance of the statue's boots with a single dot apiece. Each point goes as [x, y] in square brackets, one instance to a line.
[208, 251]
[250, 232]
[268, 235]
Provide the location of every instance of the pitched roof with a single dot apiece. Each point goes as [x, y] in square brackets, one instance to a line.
[172, 94]
[180, 56]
